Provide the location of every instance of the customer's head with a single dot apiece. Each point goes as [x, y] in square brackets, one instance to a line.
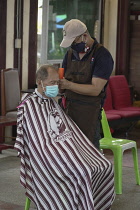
[47, 79]
[74, 31]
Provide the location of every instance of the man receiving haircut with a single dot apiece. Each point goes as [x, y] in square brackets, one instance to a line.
[88, 66]
[60, 168]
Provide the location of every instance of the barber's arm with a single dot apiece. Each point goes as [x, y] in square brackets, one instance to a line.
[92, 89]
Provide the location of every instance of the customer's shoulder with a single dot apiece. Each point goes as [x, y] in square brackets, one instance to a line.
[26, 97]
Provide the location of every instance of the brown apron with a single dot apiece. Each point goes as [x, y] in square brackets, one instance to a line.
[84, 110]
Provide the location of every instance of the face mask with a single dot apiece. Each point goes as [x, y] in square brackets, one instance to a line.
[79, 47]
[51, 91]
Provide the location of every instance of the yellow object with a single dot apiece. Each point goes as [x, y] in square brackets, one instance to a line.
[136, 103]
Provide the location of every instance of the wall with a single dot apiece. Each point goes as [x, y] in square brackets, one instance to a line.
[10, 34]
[110, 27]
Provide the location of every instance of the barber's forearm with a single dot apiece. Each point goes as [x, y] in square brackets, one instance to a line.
[61, 91]
[84, 89]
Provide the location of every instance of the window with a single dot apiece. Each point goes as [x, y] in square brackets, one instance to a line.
[52, 15]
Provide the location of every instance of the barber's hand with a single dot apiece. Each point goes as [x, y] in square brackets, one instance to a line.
[64, 84]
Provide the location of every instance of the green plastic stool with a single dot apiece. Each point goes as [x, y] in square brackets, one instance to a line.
[118, 146]
[27, 204]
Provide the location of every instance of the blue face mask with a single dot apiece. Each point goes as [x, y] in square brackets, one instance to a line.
[51, 91]
[79, 47]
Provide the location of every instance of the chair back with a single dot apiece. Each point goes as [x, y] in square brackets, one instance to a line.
[10, 90]
[121, 97]
[105, 126]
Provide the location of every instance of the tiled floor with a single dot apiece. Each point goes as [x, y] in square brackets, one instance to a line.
[12, 194]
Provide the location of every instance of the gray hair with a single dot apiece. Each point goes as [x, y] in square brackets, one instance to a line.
[42, 72]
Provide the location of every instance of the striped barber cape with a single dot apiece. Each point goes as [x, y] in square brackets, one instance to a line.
[60, 167]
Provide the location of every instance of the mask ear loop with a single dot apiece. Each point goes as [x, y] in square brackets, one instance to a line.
[43, 91]
[42, 86]
[86, 47]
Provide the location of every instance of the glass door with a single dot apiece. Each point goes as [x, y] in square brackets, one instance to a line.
[52, 15]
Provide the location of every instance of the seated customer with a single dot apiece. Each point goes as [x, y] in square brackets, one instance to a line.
[60, 168]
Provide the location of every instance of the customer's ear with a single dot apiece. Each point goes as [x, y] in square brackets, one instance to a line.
[38, 82]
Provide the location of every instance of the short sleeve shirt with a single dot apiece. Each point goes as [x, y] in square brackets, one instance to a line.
[101, 64]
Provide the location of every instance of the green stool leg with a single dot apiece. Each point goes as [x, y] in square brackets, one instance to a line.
[136, 167]
[118, 170]
[27, 204]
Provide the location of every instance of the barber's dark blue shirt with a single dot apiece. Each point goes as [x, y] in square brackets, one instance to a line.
[101, 64]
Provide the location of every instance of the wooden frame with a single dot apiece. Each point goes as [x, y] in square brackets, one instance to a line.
[32, 59]
[122, 50]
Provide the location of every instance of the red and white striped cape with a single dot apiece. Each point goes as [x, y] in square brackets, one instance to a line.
[60, 167]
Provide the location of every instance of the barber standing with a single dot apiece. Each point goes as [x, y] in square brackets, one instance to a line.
[88, 66]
